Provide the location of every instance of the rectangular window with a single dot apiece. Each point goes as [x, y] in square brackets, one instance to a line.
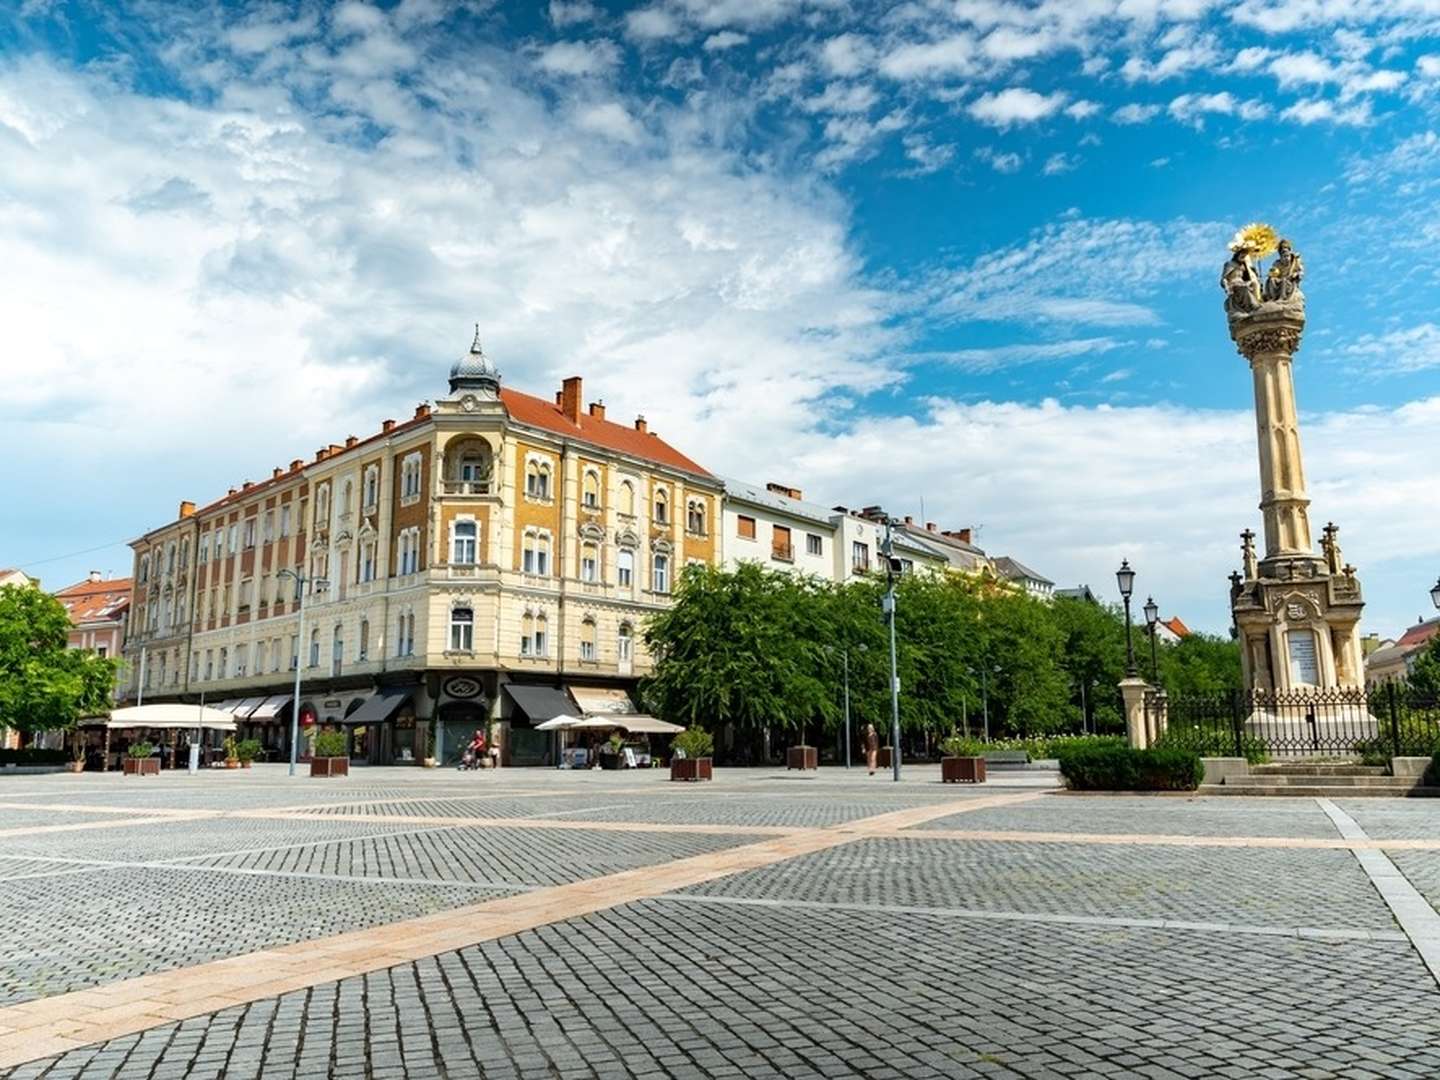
[285, 520]
[294, 651]
[209, 663]
[587, 650]
[242, 659]
[860, 556]
[249, 532]
[462, 630]
[102, 651]
[203, 555]
[224, 668]
[660, 579]
[814, 545]
[625, 568]
[267, 532]
[745, 527]
[589, 567]
[780, 544]
[463, 547]
[541, 644]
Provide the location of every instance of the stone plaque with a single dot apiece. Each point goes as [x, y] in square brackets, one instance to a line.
[1304, 663]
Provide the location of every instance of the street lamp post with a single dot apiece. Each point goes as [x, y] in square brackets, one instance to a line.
[301, 580]
[1125, 578]
[1152, 620]
[845, 666]
[892, 564]
[1435, 593]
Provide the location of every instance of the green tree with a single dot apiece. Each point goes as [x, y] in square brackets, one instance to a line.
[1424, 677]
[1200, 664]
[44, 685]
[742, 647]
[1023, 645]
[1093, 657]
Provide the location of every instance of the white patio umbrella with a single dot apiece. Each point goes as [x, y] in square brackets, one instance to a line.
[559, 723]
[171, 716]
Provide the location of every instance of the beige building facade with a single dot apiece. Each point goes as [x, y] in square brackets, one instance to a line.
[492, 540]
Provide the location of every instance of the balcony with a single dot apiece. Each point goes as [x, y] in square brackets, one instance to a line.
[466, 487]
[782, 553]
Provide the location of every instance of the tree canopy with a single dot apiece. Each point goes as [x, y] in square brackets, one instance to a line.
[43, 684]
[763, 649]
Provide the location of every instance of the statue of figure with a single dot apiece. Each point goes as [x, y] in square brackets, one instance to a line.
[1247, 555]
[1283, 280]
[1330, 547]
[1241, 284]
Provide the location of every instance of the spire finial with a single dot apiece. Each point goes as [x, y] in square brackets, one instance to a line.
[475, 345]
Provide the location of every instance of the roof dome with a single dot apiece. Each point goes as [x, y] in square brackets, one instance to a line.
[474, 371]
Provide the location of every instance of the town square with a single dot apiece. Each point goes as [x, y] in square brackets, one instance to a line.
[719, 538]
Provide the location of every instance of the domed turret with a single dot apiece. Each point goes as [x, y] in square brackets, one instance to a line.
[474, 371]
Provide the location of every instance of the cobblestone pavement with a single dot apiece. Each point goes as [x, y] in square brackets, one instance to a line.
[873, 951]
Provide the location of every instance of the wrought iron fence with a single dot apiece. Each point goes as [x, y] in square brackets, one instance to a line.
[1389, 720]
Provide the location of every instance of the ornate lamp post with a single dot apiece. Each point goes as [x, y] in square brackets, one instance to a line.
[1125, 578]
[1152, 619]
[1435, 593]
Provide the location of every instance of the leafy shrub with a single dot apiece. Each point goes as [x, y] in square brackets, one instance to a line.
[248, 749]
[1044, 747]
[962, 746]
[32, 755]
[232, 750]
[1213, 742]
[1123, 768]
[695, 742]
[140, 750]
[330, 744]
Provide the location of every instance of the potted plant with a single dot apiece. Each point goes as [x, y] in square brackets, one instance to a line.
[691, 750]
[140, 760]
[247, 750]
[77, 753]
[428, 757]
[964, 760]
[610, 752]
[232, 752]
[330, 757]
[802, 757]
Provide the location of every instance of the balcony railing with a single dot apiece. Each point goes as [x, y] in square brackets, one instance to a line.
[467, 487]
[782, 553]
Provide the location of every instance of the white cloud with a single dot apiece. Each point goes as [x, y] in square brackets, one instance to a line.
[1192, 108]
[610, 119]
[847, 54]
[842, 98]
[927, 156]
[1303, 69]
[1188, 53]
[1319, 110]
[1001, 357]
[652, 24]
[1015, 105]
[1056, 164]
[930, 60]
[1251, 58]
[1001, 161]
[854, 138]
[565, 13]
[1135, 113]
[1082, 110]
[1415, 348]
[1428, 66]
[578, 58]
[1413, 164]
[725, 39]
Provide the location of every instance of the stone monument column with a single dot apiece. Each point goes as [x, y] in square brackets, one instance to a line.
[1297, 612]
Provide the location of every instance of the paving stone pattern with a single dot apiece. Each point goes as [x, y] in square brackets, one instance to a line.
[1167, 816]
[1255, 886]
[807, 994]
[1417, 819]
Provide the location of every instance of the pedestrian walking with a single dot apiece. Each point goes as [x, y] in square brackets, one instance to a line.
[871, 738]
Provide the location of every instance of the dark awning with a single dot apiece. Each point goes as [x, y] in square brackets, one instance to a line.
[540, 703]
[380, 706]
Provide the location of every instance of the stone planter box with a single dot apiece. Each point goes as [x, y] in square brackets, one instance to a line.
[690, 769]
[802, 757]
[962, 770]
[145, 766]
[330, 766]
[75, 766]
[607, 761]
[883, 760]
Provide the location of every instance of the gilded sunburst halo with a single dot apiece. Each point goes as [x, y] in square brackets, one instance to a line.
[1256, 239]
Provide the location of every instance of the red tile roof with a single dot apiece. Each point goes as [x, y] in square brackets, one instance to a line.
[537, 412]
[1178, 628]
[95, 601]
[1419, 634]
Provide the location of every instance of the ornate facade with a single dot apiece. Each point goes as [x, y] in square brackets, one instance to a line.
[493, 539]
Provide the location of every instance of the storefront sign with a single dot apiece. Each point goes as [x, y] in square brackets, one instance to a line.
[462, 687]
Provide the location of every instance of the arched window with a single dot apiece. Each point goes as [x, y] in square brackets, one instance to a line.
[660, 574]
[363, 651]
[345, 497]
[590, 562]
[462, 544]
[314, 648]
[537, 479]
[527, 635]
[337, 649]
[462, 629]
[372, 485]
[625, 568]
[590, 495]
[144, 569]
[535, 553]
[322, 506]
[367, 560]
[625, 643]
[587, 639]
[542, 638]
[627, 498]
[695, 517]
[662, 507]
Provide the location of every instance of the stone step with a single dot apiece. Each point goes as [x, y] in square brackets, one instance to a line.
[1339, 780]
[1318, 768]
[1318, 791]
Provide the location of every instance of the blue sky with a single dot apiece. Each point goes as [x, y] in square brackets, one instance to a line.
[961, 252]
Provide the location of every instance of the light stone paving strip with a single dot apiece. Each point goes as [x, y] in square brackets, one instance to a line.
[1360, 843]
[63, 1022]
[1411, 910]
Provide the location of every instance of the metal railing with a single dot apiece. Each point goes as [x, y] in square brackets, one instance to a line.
[1385, 721]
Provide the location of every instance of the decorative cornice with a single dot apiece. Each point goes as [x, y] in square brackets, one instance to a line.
[1268, 340]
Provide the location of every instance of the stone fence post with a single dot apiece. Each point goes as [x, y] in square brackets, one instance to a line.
[1132, 690]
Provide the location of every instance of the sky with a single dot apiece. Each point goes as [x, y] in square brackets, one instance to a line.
[959, 259]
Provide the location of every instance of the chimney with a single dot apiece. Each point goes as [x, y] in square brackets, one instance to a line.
[187, 508]
[909, 520]
[558, 396]
[387, 426]
[784, 489]
[929, 526]
[570, 395]
[421, 411]
[597, 410]
[95, 576]
[963, 535]
[321, 454]
[230, 492]
[276, 473]
[335, 448]
[640, 425]
[246, 486]
[350, 440]
[295, 465]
